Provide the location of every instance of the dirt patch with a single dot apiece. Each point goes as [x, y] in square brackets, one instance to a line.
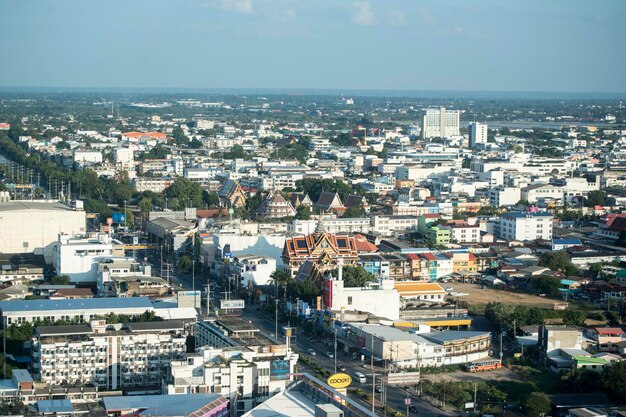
[475, 294]
[503, 374]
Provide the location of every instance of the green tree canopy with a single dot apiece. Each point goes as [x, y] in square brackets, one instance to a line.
[184, 193]
[558, 261]
[538, 404]
[596, 198]
[356, 276]
[314, 187]
[546, 284]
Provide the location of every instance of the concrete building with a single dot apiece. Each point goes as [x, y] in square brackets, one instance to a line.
[33, 227]
[28, 311]
[477, 134]
[526, 226]
[108, 356]
[201, 405]
[380, 300]
[422, 348]
[253, 270]
[440, 123]
[78, 257]
[504, 196]
[246, 376]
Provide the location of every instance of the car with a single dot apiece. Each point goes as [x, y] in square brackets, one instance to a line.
[311, 352]
[341, 368]
[379, 388]
[360, 377]
[413, 409]
[330, 354]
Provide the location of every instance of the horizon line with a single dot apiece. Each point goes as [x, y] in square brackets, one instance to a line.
[323, 91]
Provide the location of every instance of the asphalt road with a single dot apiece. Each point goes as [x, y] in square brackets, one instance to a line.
[395, 396]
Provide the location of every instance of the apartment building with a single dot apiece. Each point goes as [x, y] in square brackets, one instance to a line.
[156, 185]
[526, 226]
[477, 134]
[504, 196]
[247, 376]
[535, 193]
[391, 225]
[109, 356]
[440, 123]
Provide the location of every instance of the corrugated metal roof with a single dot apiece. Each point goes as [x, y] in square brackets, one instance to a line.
[78, 304]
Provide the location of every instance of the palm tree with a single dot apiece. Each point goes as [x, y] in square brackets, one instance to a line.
[281, 278]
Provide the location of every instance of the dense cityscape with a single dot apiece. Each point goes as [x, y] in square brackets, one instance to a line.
[257, 208]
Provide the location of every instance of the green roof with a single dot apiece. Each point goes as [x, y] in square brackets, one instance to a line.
[589, 360]
[621, 273]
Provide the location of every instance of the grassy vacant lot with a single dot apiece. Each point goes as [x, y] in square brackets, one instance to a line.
[481, 296]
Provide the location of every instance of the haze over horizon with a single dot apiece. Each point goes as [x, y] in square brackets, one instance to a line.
[429, 45]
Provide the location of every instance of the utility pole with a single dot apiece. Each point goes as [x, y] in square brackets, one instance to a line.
[373, 375]
[501, 353]
[335, 331]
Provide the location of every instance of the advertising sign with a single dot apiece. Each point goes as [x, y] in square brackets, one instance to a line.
[279, 370]
[232, 304]
[339, 380]
[118, 217]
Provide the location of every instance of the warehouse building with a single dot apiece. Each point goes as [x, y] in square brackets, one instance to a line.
[33, 227]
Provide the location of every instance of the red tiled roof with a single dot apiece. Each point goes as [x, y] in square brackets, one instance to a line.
[609, 330]
[363, 245]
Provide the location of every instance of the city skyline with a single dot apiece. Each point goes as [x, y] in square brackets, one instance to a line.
[285, 45]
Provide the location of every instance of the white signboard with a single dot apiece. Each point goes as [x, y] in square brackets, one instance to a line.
[232, 304]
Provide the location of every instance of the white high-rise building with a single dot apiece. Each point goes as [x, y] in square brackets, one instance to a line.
[440, 123]
[526, 226]
[477, 134]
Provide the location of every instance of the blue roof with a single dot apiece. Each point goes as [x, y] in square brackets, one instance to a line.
[54, 406]
[566, 241]
[162, 405]
[517, 215]
[451, 335]
[78, 304]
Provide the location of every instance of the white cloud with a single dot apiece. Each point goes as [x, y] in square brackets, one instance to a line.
[396, 17]
[239, 6]
[363, 14]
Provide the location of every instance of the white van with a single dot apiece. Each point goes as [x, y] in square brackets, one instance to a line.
[360, 377]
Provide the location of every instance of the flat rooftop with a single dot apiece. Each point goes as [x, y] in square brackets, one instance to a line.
[78, 304]
[33, 205]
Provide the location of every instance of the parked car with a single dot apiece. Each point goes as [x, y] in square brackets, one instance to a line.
[330, 354]
[311, 352]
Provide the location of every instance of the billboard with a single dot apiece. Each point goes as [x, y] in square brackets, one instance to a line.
[232, 304]
[118, 218]
[279, 370]
[339, 380]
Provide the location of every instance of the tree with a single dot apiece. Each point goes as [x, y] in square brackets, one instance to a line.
[546, 284]
[236, 152]
[582, 380]
[538, 404]
[303, 212]
[558, 261]
[145, 205]
[596, 198]
[354, 211]
[186, 192]
[60, 280]
[179, 136]
[185, 263]
[130, 219]
[613, 381]
[574, 317]
[281, 278]
[356, 276]
[314, 187]
[211, 199]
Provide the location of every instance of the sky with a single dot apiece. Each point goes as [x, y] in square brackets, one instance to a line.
[450, 45]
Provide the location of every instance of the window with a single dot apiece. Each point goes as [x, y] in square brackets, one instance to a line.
[349, 301]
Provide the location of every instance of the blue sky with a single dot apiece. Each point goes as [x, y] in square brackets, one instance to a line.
[486, 45]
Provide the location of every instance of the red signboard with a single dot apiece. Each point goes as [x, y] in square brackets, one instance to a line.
[328, 293]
